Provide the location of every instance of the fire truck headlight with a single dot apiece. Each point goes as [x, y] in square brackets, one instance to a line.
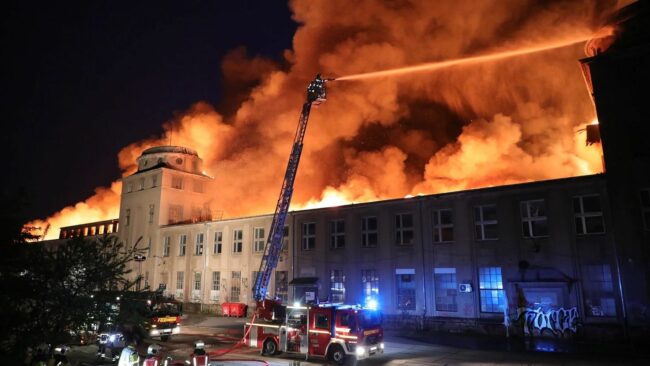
[296, 304]
[381, 345]
[155, 332]
[111, 338]
[177, 329]
[361, 351]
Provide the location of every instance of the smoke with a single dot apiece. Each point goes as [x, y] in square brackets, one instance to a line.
[491, 123]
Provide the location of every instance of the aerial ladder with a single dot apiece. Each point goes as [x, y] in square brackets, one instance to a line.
[316, 94]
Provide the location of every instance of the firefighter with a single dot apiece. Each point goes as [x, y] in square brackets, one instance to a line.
[129, 355]
[199, 357]
[153, 356]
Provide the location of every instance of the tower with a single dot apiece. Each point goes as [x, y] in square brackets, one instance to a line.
[169, 187]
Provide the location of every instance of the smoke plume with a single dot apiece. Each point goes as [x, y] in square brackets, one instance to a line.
[501, 121]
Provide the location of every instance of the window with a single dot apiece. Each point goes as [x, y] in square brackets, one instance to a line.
[588, 215]
[285, 238]
[166, 246]
[337, 234]
[282, 286]
[308, 236]
[645, 207]
[127, 220]
[254, 275]
[182, 244]
[141, 184]
[237, 240]
[337, 288]
[180, 278]
[218, 241]
[235, 286]
[599, 291]
[177, 182]
[405, 279]
[154, 180]
[491, 288]
[445, 288]
[164, 277]
[404, 229]
[175, 213]
[369, 232]
[258, 240]
[322, 321]
[151, 212]
[197, 281]
[369, 283]
[129, 188]
[216, 280]
[533, 219]
[198, 247]
[443, 226]
[485, 222]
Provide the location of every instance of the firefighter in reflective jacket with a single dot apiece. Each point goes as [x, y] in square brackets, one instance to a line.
[199, 358]
[129, 356]
[153, 356]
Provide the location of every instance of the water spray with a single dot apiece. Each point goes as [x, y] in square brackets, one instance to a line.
[431, 66]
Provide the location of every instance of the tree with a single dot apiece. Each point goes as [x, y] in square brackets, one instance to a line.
[52, 289]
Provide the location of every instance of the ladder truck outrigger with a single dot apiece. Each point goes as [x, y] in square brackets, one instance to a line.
[335, 331]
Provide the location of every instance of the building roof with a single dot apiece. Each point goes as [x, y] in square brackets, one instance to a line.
[169, 149]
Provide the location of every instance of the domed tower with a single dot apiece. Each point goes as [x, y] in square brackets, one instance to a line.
[168, 188]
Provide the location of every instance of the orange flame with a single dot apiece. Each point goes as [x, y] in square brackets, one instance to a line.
[454, 129]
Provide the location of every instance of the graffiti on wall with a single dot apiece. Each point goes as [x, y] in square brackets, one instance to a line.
[557, 321]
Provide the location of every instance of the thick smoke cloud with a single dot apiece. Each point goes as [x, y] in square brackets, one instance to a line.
[500, 122]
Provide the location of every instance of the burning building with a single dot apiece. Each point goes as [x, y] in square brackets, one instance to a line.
[570, 249]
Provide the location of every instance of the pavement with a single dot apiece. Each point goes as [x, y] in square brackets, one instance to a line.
[402, 348]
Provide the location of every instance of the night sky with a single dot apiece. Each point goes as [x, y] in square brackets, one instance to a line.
[82, 80]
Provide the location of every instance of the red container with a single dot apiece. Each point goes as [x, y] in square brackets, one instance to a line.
[225, 309]
[238, 309]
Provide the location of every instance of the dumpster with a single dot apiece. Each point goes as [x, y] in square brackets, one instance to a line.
[238, 309]
[225, 309]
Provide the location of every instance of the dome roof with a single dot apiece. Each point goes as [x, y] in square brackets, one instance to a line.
[170, 149]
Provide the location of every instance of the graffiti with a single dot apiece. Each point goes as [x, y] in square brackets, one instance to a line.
[557, 321]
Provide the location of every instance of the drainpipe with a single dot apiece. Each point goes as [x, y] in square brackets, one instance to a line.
[424, 266]
[205, 263]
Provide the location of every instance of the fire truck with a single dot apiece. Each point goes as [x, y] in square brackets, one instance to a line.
[322, 330]
[335, 332]
[164, 318]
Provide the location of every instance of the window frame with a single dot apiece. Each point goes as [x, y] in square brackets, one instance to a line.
[400, 229]
[217, 247]
[182, 245]
[198, 245]
[197, 281]
[216, 280]
[167, 244]
[337, 238]
[259, 242]
[337, 285]
[237, 240]
[180, 280]
[367, 233]
[481, 222]
[438, 227]
[529, 219]
[308, 237]
[582, 215]
[440, 283]
[489, 287]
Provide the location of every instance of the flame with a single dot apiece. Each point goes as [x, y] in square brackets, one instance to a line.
[483, 124]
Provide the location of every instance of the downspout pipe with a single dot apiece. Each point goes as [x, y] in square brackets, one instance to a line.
[424, 266]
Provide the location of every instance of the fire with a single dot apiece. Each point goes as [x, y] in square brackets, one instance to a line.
[483, 124]
[330, 197]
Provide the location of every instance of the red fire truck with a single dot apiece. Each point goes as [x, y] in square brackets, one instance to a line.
[325, 330]
[164, 318]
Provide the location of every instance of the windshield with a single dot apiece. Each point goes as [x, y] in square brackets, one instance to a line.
[165, 309]
[369, 319]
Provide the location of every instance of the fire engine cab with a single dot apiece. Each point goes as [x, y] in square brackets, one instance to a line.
[324, 330]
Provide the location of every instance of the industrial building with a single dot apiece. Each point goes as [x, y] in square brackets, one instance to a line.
[563, 257]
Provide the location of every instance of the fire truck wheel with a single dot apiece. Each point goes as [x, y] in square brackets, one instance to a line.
[270, 347]
[164, 338]
[336, 354]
